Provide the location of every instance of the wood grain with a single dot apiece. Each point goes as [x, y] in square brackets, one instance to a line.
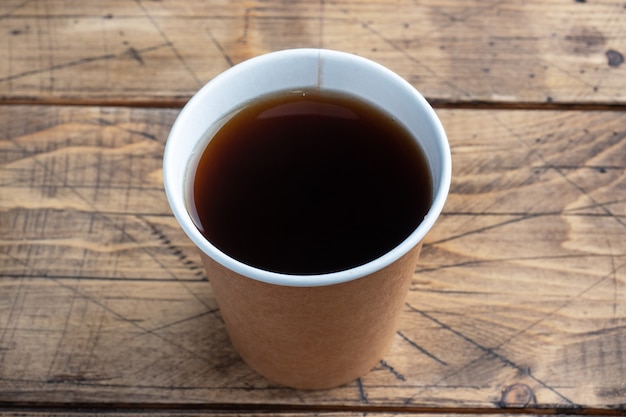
[158, 53]
[519, 298]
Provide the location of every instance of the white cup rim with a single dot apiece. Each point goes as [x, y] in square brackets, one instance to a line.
[175, 184]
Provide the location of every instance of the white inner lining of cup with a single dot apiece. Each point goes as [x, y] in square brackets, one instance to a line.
[296, 70]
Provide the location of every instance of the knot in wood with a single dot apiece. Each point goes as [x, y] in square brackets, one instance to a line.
[517, 396]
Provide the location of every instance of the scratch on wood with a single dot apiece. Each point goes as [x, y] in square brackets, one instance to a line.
[134, 54]
[75, 63]
[134, 323]
[558, 171]
[613, 279]
[421, 349]
[214, 311]
[141, 133]
[64, 332]
[362, 394]
[602, 207]
[176, 251]
[246, 24]
[391, 369]
[219, 46]
[607, 331]
[17, 301]
[491, 352]
[164, 36]
[490, 227]
[199, 272]
[367, 26]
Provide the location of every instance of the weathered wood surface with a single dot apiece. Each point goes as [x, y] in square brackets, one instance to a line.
[160, 52]
[519, 298]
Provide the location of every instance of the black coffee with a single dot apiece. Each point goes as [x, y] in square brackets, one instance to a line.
[304, 183]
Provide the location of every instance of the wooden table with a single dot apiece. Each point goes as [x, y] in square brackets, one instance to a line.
[518, 304]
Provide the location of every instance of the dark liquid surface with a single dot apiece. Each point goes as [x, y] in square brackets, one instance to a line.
[309, 184]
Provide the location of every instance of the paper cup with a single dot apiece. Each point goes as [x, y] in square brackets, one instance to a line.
[307, 331]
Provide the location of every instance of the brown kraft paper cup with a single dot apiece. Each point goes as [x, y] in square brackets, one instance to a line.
[316, 337]
[307, 331]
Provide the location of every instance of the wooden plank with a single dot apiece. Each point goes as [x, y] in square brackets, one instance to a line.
[161, 52]
[520, 291]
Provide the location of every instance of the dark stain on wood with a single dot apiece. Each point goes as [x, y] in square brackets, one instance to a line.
[134, 54]
[615, 58]
[583, 40]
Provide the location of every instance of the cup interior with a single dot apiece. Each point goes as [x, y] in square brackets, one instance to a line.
[293, 70]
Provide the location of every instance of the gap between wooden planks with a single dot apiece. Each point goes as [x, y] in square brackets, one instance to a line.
[179, 103]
